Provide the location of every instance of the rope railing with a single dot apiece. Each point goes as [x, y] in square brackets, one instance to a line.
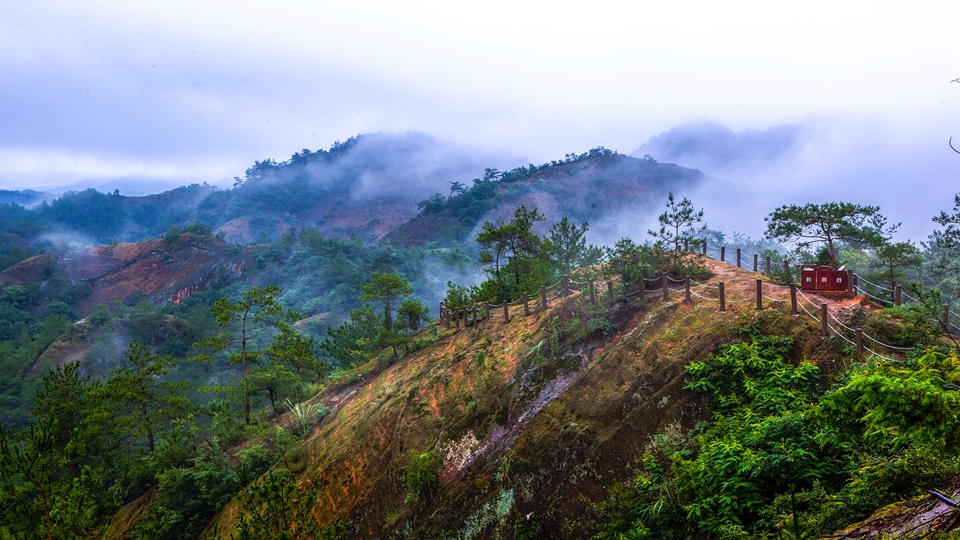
[912, 299]
[875, 298]
[811, 315]
[904, 298]
[805, 297]
[845, 327]
[895, 348]
[559, 282]
[854, 331]
[861, 346]
[744, 288]
[861, 278]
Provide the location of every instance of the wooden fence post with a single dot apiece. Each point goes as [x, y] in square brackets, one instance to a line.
[686, 245]
[850, 291]
[738, 257]
[945, 318]
[475, 315]
[723, 299]
[859, 344]
[593, 292]
[506, 311]
[526, 304]
[723, 251]
[486, 311]
[666, 287]
[896, 295]
[704, 246]
[768, 265]
[686, 285]
[543, 298]
[755, 257]
[824, 324]
[566, 285]
[793, 299]
[759, 294]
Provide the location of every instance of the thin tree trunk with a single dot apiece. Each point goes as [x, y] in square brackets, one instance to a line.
[146, 421]
[243, 360]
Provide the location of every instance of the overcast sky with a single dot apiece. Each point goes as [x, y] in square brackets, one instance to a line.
[193, 91]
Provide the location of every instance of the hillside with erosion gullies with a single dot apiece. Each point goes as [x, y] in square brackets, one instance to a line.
[531, 420]
[331, 349]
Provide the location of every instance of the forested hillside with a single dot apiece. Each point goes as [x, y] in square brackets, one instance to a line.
[600, 187]
[469, 367]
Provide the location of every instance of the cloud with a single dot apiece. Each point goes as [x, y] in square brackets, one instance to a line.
[906, 169]
[716, 147]
[57, 170]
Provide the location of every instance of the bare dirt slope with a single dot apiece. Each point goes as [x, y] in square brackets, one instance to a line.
[165, 270]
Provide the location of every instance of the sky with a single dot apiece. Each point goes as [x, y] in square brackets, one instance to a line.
[164, 93]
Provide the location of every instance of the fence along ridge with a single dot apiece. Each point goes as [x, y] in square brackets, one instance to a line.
[464, 313]
[944, 320]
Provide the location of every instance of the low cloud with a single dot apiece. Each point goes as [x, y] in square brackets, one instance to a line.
[908, 171]
[56, 171]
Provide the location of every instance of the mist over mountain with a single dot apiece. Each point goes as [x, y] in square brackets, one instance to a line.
[715, 147]
[853, 158]
[617, 195]
[365, 186]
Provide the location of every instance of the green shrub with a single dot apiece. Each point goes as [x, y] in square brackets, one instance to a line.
[278, 507]
[421, 475]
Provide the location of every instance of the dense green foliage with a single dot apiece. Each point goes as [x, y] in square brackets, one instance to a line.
[786, 451]
[90, 447]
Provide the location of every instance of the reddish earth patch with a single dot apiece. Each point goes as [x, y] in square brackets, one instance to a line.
[160, 270]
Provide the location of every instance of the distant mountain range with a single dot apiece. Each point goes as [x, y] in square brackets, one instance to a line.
[377, 189]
